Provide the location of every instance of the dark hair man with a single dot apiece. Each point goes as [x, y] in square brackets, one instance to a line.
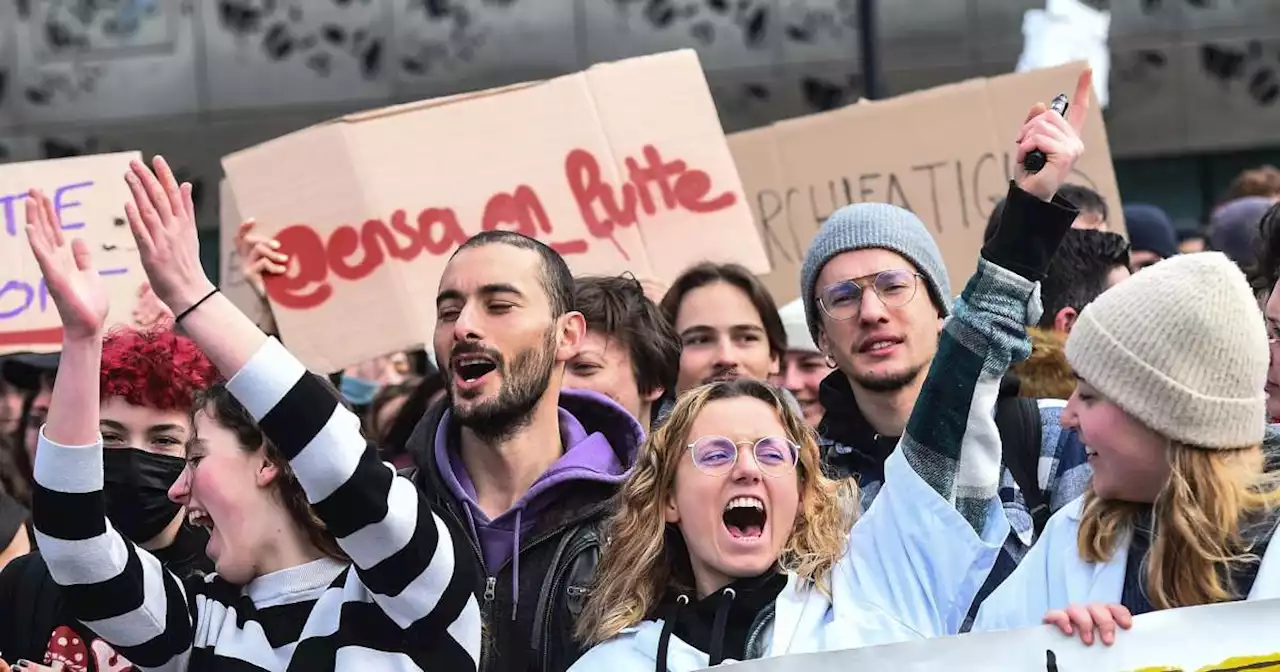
[630, 353]
[525, 467]
[1087, 264]
[728, 325]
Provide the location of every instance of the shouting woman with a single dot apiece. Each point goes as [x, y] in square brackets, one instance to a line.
[729, 544]
[281, 597]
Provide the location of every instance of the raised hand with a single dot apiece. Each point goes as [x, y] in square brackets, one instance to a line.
[74, 284]
[1057, 137]
[1084, 619]
[259, 255]
[162, 218]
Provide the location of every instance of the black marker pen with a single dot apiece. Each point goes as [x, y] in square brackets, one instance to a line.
[1035, 159]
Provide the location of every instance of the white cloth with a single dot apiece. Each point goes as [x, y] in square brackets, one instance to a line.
[912, 568]
[1066, 31]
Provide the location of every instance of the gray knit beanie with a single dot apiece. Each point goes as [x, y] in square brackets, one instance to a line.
[874, 225]
[1181, 346]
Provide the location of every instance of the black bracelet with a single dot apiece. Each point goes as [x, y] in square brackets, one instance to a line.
[183, 314]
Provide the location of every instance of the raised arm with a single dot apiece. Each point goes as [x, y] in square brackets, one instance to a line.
[117, 589]
[403, 553]
[928, 542]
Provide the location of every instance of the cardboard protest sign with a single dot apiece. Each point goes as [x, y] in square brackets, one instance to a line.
[1229, 637]
[944, 153]
[623, 167]
[89, 193]
[231, 280]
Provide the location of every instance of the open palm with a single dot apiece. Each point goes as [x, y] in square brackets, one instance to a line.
[74, 284]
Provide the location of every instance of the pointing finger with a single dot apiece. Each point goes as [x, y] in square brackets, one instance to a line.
[1082, 101]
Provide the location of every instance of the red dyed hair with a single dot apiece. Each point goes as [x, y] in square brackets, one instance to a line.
[155, 368]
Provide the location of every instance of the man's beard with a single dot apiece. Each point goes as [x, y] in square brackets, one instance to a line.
[887, 382]
[523, 384]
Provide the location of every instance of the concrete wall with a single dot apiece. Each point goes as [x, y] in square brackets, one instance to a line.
[195, 79]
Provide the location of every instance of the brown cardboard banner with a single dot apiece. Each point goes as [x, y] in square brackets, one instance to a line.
[231, 279]
[623, 167]
[945, 153]
[89, 193]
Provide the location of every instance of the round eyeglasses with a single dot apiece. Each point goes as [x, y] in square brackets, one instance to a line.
[842, 300]
[717, 455]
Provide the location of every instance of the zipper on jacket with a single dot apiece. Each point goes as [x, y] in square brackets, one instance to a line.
[573, 552]
[490, 589]
[763, 619]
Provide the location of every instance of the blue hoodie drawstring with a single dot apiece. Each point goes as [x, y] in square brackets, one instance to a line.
[515, 565]
[664, 639]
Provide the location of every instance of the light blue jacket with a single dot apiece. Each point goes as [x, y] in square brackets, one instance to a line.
[915, 561]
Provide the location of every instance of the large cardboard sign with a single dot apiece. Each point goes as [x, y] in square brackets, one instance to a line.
[623, 167]
[231, 280]
[946, 154]
[89, 193]
[1229, 637]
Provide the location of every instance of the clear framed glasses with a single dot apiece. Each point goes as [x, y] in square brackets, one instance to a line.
[716, 455]
[842, 300]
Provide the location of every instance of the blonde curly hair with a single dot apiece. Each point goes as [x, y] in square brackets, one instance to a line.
[644, 556]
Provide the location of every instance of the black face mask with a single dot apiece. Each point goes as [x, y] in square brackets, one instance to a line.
[136, 488]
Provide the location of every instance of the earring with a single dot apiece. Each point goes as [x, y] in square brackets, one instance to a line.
[831, 361]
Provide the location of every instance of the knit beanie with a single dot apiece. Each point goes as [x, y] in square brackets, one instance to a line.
[1182, 347]
[797, 328]
[874, 225]
[1150, 230]
[1233, 228]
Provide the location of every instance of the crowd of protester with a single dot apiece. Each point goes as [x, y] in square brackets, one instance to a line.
[600, 473]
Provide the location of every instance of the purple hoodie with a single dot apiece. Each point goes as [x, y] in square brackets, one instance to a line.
[601, 440]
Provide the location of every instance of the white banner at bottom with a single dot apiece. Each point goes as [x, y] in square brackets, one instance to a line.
[1235, 637]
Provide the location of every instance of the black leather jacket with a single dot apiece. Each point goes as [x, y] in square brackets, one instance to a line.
[557, 563]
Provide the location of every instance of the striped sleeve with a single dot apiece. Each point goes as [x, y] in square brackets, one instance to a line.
[951, 439]
[118, 590]
[404, 555]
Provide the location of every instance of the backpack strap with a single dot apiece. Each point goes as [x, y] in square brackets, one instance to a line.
[1018, 419]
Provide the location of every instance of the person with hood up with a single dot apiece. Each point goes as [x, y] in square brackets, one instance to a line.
[1151, 235]
[1087, 264]
[149, 380]
[527, 468]
[729, 543]
[1182, 504]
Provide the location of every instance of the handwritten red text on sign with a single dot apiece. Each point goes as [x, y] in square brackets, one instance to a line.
[352, 254]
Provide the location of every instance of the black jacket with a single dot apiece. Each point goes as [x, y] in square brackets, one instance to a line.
[557, 562]
[36, 623]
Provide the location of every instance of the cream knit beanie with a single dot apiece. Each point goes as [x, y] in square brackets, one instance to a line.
[1182, 347]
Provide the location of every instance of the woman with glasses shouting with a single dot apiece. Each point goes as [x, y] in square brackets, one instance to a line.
[730, 544]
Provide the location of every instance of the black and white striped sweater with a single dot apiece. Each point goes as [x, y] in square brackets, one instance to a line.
[408, 604]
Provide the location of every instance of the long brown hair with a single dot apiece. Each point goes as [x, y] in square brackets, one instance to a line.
[1199, 524]
[224, 409]
[644, 556]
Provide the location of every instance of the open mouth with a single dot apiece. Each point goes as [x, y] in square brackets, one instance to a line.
[198, 518]
[744, 517]
[879, 344]
[470, 368]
